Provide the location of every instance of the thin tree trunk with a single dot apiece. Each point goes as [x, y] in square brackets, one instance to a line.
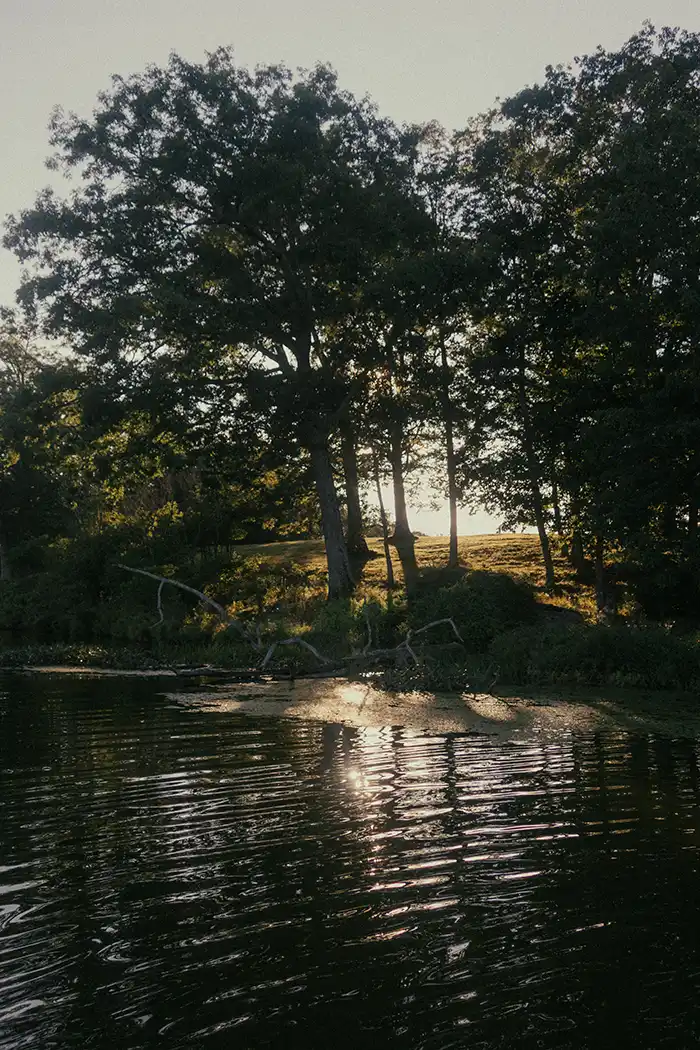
[549, 581]
[453, 557]
[605, 600]
[533, 474]
[5, 565]
[577, 556]
[385, 525]
[576, 553]
[693, 518]
[555, 506]
[354, 538]
[403, 538]
[340, 581]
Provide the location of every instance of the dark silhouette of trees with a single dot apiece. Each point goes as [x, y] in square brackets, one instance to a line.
[279, 297]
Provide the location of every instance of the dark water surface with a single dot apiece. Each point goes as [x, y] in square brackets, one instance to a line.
[171, 877]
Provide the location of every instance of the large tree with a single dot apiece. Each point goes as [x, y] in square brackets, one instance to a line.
[584, 195]
[217, 208]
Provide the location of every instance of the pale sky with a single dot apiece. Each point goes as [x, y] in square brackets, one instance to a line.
[419, 59]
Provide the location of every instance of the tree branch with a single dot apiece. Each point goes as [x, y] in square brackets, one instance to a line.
[160, 604]
[293, 641]
[229, 621]
[183, 587]
[253, 636]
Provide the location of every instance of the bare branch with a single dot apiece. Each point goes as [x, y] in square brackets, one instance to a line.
[183, 587]
[292, 641]
[435, 623]
[253, 634]
[365, 613]
[160, 604]
[407, 647]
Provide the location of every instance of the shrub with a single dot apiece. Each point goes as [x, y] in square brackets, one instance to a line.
[336, 629]
[387, 623]
[257, 585]
[650, 658]
[482, 605]
[664, 587]
[39, 655]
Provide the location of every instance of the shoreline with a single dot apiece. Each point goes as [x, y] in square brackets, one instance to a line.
[509, 713]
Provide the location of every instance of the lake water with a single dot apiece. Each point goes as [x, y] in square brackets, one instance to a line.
[175, 877]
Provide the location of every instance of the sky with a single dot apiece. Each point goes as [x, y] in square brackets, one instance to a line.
[419, 59]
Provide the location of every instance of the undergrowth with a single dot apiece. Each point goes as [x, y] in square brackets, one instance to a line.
[77, 607]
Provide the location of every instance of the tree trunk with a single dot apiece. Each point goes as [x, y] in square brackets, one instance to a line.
[5, 565]
[403, 538]
[533, 476]
[604, 596]
[577, 556]
[453, 557]
[693, 518]
[549, 578]
[340, 581]
[354, 538]
[576, 553]
[385, 526]
[555, 506]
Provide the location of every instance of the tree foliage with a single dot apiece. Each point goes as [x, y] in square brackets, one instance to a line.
[272, 294]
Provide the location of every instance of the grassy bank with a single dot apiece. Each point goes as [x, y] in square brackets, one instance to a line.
[513, 632]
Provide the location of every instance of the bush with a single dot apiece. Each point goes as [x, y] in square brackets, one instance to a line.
[482, 605]
[79, 656]
[256, 585]
[387, 623]
[649, 658]
[334, 629]
[664, 587]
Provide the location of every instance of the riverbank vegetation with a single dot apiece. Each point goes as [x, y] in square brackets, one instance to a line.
[265, 300]
[512, 632]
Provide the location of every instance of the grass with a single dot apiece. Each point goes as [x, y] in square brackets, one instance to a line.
[515, 554]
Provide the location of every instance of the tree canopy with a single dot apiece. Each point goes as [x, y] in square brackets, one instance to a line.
[274, 296]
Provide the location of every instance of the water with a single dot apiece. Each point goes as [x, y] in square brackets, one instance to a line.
[173, 877]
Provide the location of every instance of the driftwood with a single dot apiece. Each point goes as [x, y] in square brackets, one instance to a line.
[405, 646]
[253, 634]
[160, 605]
[293, 641]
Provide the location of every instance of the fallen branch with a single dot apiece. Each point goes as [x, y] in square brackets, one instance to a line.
[292, 641]
[227, 620]
[253, 635]
[183, 587]
[405, 645]
[160, 605]
[435, 623]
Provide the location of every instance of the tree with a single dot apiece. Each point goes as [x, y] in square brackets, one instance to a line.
[583, 193]
[515, 215]
[40, 475]
[224, 211]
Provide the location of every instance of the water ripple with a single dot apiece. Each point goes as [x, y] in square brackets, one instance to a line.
[173, 876]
